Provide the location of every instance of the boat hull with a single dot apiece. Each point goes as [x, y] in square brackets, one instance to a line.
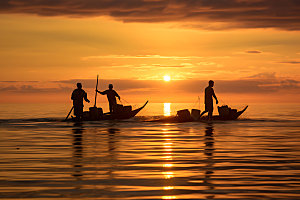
[176, 119]
[114, 116]
[125, 115]
[233, 116]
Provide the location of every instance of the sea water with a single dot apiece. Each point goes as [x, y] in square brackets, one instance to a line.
[255, 157]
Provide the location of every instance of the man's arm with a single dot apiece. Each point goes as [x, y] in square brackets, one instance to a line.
[103, 93]
[214, 95]
[117, 95]
[72, 96]
[85, 97]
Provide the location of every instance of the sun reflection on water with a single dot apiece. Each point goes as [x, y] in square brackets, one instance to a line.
[168, 165]
[167, 109]
[168, 197]
[168, 157]
[168, 188]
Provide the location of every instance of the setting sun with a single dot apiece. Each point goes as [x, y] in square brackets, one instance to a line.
[167, 78]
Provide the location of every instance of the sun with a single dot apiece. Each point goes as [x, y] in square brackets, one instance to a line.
[167, 78]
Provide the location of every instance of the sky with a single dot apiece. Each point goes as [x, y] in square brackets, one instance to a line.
[250, 48]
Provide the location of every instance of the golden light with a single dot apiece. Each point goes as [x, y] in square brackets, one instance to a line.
[168, 188]
[167, 78]
[169, 197]
[167, 109]
[168, 175]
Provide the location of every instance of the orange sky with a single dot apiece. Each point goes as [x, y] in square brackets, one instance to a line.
[253, 54]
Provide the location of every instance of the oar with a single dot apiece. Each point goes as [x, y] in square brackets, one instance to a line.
[96, 92]
[69, 113]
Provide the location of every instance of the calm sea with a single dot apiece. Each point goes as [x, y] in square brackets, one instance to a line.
[256, 157]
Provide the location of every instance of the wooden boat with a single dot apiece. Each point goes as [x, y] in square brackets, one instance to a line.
[122, 115]
[95, 114]
[178, 119]
[231, 116]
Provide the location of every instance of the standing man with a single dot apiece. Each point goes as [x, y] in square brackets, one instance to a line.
[77, 96]
[209, 104]
[111, 97]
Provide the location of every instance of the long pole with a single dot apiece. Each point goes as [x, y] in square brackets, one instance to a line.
[96, 91]
[69, 113]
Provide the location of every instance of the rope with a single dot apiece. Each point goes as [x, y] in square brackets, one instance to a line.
[223, 102]
[124, 100]
[196, 102]
[135, 105]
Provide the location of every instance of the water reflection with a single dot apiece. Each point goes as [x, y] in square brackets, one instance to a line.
[167, 165]
[167, 109]
[209, 159]
[111, 140]
[77, 152]
[112, 157]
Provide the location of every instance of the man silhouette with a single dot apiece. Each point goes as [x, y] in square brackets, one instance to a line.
[77, 96]
[209, 104]
[111, 97]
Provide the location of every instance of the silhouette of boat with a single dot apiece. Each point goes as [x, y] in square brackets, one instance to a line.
[122, 115]
[231, 116]
[178, 119]
[110, 116]
[96, 114]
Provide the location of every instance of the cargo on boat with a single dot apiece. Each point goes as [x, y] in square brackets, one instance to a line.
[225, 113]
[118, 111]
[122, 112]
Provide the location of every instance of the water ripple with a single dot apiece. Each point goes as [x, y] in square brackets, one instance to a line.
[244, 159]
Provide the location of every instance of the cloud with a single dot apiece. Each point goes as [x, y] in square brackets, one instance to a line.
[204, 14]
[289, 83]
[264, 76]
[31, 87]
[140, 57]
[253, 51]
[256, 84]
[121, 84]
[290, 62]
[270, 82]
[206, 63]
[182, 65]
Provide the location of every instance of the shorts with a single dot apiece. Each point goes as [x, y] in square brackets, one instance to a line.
[78, 111]
[209, 107]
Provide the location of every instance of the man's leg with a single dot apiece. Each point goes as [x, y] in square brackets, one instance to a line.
[205, 111]
[210, 115]
[210, 109]
[110, 107]
[78, 112]
[113, 106]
